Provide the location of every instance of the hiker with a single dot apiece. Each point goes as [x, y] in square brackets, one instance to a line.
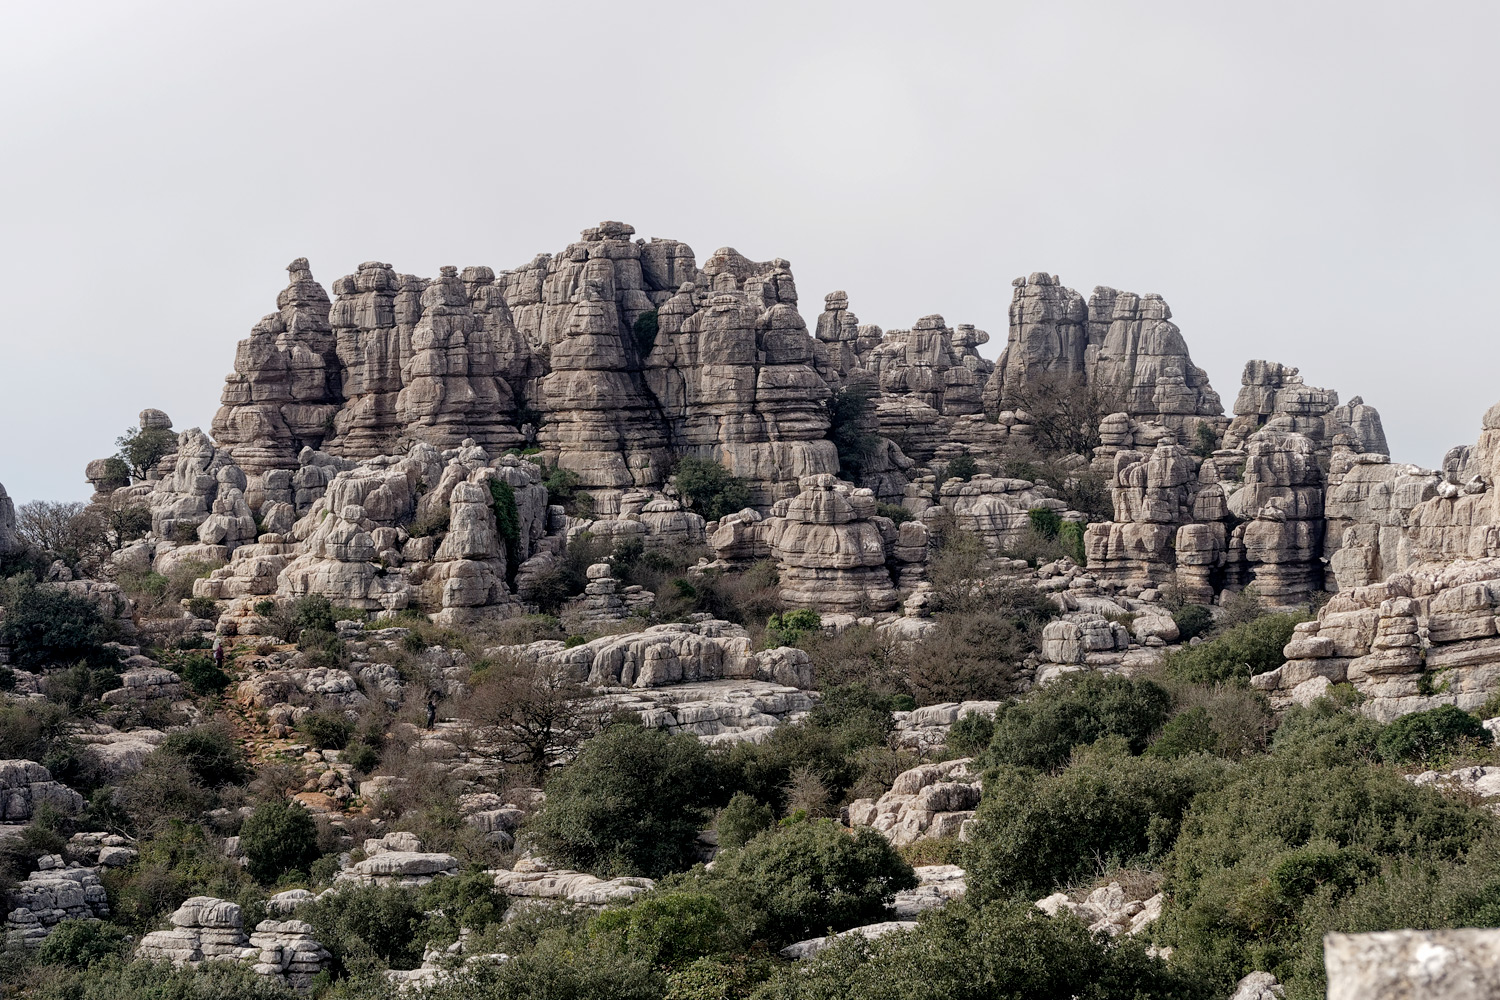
[219, 652]
[431, 710]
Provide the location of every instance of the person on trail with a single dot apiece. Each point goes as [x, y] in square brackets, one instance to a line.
[219, 652]
[432, 710]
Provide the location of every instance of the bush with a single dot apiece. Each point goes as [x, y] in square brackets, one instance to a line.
[1282, 834]
[277, 838]
[1042, 731]
[200, 674]
[203, 607]
[361, 756]
[709, 489]
[433, 521]
[1003, 950]
[363, 925]
[630, 803]
[791, 627]
[562, 488]
[114, 979]
[645, 328]
[314, 612]
[81, 943]
[211, 754]
[802, 880]
[560, 967]
[1243, 651]
[1070, 536]
[45, 626]
[1192, 620]
[894, 511]
[963, 467]
[508, 523]
[670, 928]
[971, 734]
[1045, 521]
[849, 415]
[1426, 736]
[140, 450]
[326, 730]
[742, 820]
[975, 655]
[1029, 837]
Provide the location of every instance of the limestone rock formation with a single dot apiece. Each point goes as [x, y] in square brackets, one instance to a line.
[10, 540]
[532, 879]
[26, 785]
[57, 891]
[928, 801]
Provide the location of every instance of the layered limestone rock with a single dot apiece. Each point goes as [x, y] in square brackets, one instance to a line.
[1421, 638]
[534, 880]
[732, 369]
[203, 929]
[1458, 964]
[926, 802]
[1108, 909]
[10, 540]
[995, 508]
[401, 868]
[835, 553]
[676, 653]
[287, 384]
[55, 892]
[26, 786]
[1121, 344]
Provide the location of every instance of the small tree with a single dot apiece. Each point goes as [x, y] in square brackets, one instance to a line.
[791, 627]
[963, 467]
[849, 415]
[1065, 410]
[709, 489]
[631, 803]
[46, 626]
[645, 329]
[533, 714]
[742, 819]
[277, 838]
[140, 450]
[211, 754]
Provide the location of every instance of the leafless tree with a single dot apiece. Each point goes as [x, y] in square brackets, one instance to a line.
[532, 713]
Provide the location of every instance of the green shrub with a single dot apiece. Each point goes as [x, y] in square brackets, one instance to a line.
[741, 820]
[1045, 521]
[1003, 950]
[1185, 733]
[80, 686]
[791, 627]
[645, 328]
[709, 489]
[798, 881]
[115, 979]
[200, 674]
[265, 608]
[670, 928]
[81, 943]
[277, 838]
[140, 450]
[434, 521]
[1205, 441]
[962, 467]
[313, 612]
[1070, 534]
[1042, 731]
[850, 411]
[508, 522]
[46, 626]
[361, 756]
[1279, 834]
[203, 607]
[560, 967]
[460, 902]
[1424, 736]
[894, 511]
[971, 734]
[326, 730]
[562, 488]
[364, 925]
[1238, 654]
[1030, 835]
[212, 754]
[630, 803]
[1192, 620]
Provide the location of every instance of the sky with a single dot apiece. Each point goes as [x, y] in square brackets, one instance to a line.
[1304, 182]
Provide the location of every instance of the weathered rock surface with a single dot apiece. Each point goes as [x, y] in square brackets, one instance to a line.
[532, 879]
[1108, 909]
[927, 802]
[1461, 964]
[26, 786]
[870, 932]
[57, 891]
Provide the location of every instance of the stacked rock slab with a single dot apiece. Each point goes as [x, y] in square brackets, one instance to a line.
[26, 786]
[57, 891]
[733, 371]
[206, 929]
[287, 384]
[831, 548]
[926, 802]
[995, 508]
[1423, 637]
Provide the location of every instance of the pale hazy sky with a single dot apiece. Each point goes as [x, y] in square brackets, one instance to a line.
[1314, 183]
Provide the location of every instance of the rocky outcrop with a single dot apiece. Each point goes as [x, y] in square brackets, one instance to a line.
[206, 929]
[57, 891]
[534, 880]
[870, 932]
[26, 786]
[927, 802]
[1108, 909]
[10, 540]
[714, 711]
[670, 654]
[403, 868]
